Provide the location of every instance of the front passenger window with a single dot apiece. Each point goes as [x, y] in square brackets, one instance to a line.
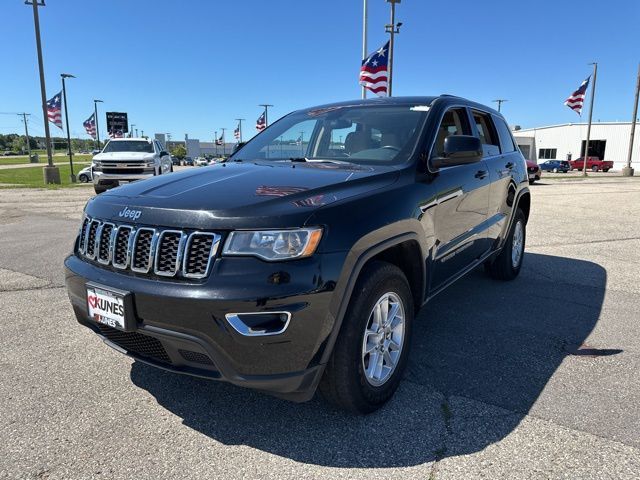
[454, 122]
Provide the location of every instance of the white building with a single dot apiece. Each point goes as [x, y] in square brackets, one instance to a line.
[608, 141]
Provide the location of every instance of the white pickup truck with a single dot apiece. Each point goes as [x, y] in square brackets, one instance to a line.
[125, 160]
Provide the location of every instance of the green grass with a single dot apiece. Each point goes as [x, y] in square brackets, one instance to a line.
[33, 177]
[43, 159]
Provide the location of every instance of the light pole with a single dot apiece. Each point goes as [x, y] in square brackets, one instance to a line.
[51, 172]
[266, 111]
[593, 96]
[72, 177]
[392, 29]
[26, 133]
[500, 101]
[628, 170]
[223, 142]
[364, 39]
[131, 130]
[215, 141]
[95, 113]
[240, 127]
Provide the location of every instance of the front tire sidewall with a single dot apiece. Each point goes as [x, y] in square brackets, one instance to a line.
[346, 371]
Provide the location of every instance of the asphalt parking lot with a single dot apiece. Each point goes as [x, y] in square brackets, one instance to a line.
[536, 378]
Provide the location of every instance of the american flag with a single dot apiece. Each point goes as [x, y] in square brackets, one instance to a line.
[54, 110]
[374, 71]
[236, 132]
[261, 123]
[116, 134]
[220, 140]
[576, 99]
[90, 126]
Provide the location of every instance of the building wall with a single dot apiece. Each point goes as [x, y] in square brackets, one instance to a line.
[567, 139]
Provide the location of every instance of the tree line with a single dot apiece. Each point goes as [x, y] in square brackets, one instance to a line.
[15, 143]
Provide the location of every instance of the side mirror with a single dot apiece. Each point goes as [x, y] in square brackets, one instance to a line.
[163, 153]
[459, 150]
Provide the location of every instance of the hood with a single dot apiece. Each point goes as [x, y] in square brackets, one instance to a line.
[240, 195]
[123, 156]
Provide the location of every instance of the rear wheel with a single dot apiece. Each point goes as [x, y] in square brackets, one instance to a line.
[82, 178]
[507, 264]
[372, 348]
[594, 168]
[99, 190]
[605, 170]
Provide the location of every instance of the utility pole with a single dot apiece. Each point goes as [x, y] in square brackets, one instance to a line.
[215, 141]
[223, 142]
[266, 107]
[240, 127]
[51, 172]
[500, 101]
[95, 113]
[72, 177]
[392, 29]
[364, 39]
[628, 170]
[26, 133]
[593, 95]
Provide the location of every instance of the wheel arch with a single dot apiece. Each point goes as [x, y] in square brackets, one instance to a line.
[406, 248]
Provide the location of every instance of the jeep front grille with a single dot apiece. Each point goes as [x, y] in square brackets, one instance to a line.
[163, 252]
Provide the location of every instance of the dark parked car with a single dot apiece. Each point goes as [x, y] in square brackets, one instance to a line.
[287, 273]
[175, 160]
[555, 166]
[188, 161]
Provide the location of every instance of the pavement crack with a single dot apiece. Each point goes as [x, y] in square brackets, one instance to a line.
[588, 242]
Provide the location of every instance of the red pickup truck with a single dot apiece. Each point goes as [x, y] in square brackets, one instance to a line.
[593, 163]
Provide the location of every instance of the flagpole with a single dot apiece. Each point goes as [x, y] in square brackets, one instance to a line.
[593, 94]
[95, 112]
[215, 140]
[266, 120]
[223, 145]
[364, 40]
[628, 170]
[72, 177]
[392, 29]
[240, 127]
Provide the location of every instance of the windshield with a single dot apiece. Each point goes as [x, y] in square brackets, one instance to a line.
[374, 134]
[128, 146]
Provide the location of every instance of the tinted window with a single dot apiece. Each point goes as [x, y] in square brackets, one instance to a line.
[506, 140]
[547, 153]
[487, 134]
[454, 122]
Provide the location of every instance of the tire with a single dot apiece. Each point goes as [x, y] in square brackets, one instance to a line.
[346, 383]
[83, 178]
[504, 266]
[605, 170]
[99, 190]
[171, 169]
[531, 182]
[594, 168]
[555, 170]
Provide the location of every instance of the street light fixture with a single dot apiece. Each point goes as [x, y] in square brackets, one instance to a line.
[72, 177]
[500, 101]
[392, 29]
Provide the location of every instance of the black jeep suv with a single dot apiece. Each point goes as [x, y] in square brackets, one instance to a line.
[301, 262]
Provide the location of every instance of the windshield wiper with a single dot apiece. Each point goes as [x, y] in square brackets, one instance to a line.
[319, 160]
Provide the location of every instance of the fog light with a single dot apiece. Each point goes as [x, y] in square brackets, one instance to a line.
[256, 324]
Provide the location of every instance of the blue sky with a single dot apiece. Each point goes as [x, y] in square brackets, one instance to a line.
[194, 66]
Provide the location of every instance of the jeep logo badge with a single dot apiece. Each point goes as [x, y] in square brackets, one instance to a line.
[126, 212]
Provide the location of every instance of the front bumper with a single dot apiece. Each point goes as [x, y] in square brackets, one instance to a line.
[182, 326]
[101, 178]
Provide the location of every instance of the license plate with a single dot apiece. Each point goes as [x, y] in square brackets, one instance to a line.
[106, 306]
[532, 176]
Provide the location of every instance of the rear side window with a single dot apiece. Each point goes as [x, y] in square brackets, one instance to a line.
[487, 134]
[506, 140]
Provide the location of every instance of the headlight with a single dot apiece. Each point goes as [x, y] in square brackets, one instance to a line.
[97, 163]
[274, 244]
[151, 164]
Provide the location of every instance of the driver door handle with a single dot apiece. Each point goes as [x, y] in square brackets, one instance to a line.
[481, 174]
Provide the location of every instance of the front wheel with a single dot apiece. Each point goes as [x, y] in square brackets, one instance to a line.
[594, 168]
[555, 170]
[372, 348]
[507, 264]
[99, 190]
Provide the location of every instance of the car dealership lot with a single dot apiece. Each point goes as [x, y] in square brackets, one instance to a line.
[537, 378]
